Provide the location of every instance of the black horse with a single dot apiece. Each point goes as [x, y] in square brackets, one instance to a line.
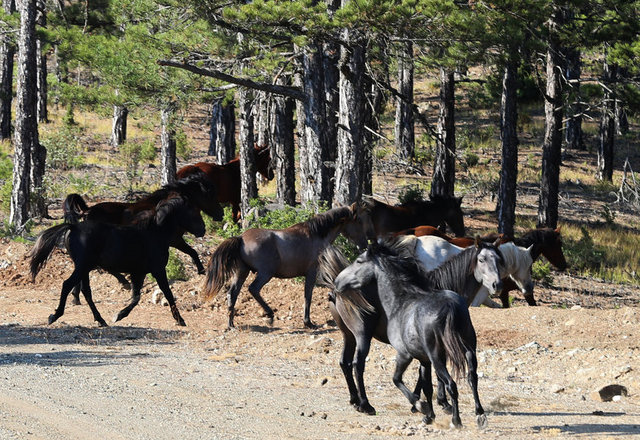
[137, 250]
[392, 313]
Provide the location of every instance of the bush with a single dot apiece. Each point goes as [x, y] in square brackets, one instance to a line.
[541, 272]
[132, 154]
[6, 181]
[411, 193]
[583, 254]
[63, 148]
[175, 267]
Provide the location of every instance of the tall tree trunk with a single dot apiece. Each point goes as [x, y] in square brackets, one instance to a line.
[351, 119]
[622, 122]
[26, 142]
[168, 143]
[404, 128]
[43, 114]
[551, 148]
[444, 171]
[509, 138]
[119, 125]
[222, 136]
[574, 136]
[282, 148]
[315, 185]
[248, 186]
[375, 103]
[7, 52]
[331, 58]
[607, 125]
[261, 118]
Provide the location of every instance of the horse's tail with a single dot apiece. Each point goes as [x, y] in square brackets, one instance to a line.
[330, 263]
[74, 208]
[224, 262]
[44, 246]
[457, 323]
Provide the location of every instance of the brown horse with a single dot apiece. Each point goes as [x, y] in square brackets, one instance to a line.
[227, 177]
[279, 253]
[546, 241]
[382, 219]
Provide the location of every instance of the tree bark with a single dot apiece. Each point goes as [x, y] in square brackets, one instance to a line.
[43, 114]
[351, 119]
[7, 53]
[330, 60]
[261, 118]
[248, 185]
[168, 143]
[119, 125]
[551, 148]
[222, 136]
[444, 171]
[26, 141]
[574, 135]
[404, 128]
[509, 139]
[282, 148]
[607, 126]
[315, 185]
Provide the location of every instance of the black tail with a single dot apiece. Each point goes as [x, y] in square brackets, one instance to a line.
[224, 262]
[44, 246]
[457, 323]
[74, 208]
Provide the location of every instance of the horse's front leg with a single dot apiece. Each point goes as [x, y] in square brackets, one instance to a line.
[258, 283]
[163, 283]
[309, 282]
[402, 362]
[182, 246]
[472, 379]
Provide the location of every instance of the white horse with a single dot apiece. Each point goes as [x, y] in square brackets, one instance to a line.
[432, 251]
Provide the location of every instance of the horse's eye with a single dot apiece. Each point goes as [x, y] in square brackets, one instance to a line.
[481, 260]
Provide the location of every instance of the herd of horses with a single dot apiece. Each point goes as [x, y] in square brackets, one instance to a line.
[410, 287]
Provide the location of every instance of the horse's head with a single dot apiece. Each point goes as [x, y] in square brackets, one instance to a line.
[489, 265]
[357, 275]
[264, 164]
[451, 211]
[176, 211]
[355, 226]
[551, 248]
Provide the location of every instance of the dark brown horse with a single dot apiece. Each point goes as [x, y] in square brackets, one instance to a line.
[227, 177]
[196, 188]
[279, 253]
[382, 219]
[545, 241]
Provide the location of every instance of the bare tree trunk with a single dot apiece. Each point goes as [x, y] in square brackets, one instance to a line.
[622, 122]
[168, 143]
[607, 126]
[444, 171]
[261, 118]
[26, 142]
[374, 107]
[330, 60]
[315, 185]
[7, 52]
[248, 186]
[43, 115]
[551, 148]
[509, 138]
[119, 125]
[574, 136]
[282, 148]
[351, 120]
[404, 128]
[222, 136]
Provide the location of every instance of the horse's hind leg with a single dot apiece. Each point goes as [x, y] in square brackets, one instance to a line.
[441, 398]
[309, 282]
[67, 286]
[439, 364]
[472, 378]
[346, 359]
[182, 245]
[136, 285]
[424, 383]
[256, 285]
[232, 294]
[363, 344]
[86, 291]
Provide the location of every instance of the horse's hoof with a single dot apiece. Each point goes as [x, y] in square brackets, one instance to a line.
[75, 302]
[52, 318]
[201, 271]
[367, 409]
[481, 419]
[447, 409]
[181, 323]
[456, 424]
[414, 410]
[310, 325]
[102, 323]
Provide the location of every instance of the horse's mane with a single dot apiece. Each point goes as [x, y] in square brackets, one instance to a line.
[321, 224]
[539, 236]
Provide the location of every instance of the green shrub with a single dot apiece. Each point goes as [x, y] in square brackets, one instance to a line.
[471, 159]
[583, 254]
[6, 181]
[183, 148]
[63, 148]
[175, 267]
[132, 155]
[541, 272]
[411, 193]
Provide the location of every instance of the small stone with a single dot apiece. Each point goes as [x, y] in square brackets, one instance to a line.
[576, 307]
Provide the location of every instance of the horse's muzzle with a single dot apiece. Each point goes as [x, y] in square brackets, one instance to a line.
[497, 286]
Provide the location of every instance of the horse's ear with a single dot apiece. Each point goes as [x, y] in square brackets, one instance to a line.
[498, 241]
[558, 230]
[530, 249]
[477, 242]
